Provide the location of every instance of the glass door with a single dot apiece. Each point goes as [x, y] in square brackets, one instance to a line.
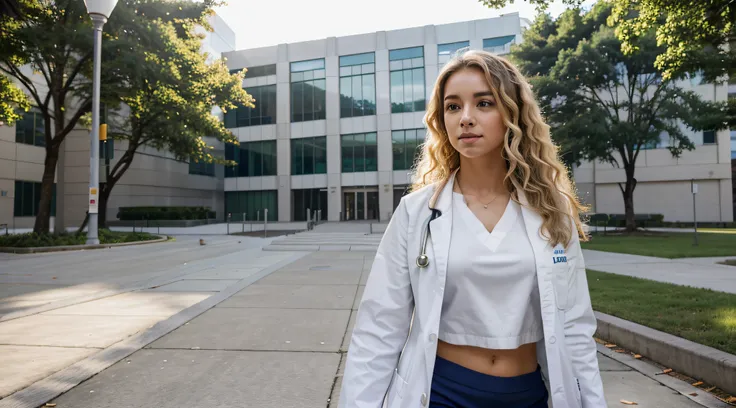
[348, 205]
[360, 205]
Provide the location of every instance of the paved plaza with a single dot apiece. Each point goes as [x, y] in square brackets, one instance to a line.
[239, 322]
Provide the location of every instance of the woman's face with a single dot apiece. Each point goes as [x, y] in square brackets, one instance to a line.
[472, 118]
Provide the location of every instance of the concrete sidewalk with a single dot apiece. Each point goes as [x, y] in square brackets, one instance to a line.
[279, 341]
[695, 272]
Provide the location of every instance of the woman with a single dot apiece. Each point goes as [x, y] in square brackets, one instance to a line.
[478, 295]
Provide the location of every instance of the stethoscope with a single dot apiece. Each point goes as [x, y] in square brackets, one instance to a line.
[423, 259]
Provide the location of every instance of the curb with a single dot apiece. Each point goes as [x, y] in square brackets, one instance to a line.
[63, 248]
[695, 360]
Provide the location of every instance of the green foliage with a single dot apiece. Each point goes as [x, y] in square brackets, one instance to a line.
[165, 213]
[694, 34]
[153, 75]
[33, 239]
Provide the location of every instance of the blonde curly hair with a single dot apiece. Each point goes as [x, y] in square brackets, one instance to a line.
[532, 159]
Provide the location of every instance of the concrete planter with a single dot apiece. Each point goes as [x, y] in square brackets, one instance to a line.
[695, 360]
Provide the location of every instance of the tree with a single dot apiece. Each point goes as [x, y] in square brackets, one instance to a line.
[603, 104]
[48, 54]
[694, 33]
[172, 93]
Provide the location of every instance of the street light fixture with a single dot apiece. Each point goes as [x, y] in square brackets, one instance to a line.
[99, 11]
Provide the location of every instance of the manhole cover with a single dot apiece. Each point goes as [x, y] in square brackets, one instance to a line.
[319, 268]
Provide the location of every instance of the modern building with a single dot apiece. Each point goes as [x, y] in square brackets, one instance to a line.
[154, 178]
[338, 120]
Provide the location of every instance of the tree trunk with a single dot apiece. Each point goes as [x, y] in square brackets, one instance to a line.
[43, 217]
[84, 223]
[628, 192]
[102, 216]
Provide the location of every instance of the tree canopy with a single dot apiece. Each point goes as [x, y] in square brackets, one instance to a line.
[601, 103]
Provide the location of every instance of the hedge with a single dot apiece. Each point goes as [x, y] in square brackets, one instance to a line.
[619, 220]
[165, 213]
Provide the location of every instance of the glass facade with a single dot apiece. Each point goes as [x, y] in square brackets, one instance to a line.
[359, 152]
[445, 52]
[251, 205]
[253, 159]
[259, 71]
[314, 199]
[308, 90]
[30, 129]
[27, 198]
[357, 85]
[499, 45]
[406, 146]
[407, 80]
[202, 168]
[309, 155]
[264, 112]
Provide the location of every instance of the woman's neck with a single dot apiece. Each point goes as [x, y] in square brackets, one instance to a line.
[482, 175]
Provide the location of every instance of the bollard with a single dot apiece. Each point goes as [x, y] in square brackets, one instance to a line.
[243, 222]
[229, 217]
[265, 222]
[309, 224]
[258, 215]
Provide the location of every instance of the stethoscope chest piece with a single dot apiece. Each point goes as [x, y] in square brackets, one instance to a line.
[422, 261]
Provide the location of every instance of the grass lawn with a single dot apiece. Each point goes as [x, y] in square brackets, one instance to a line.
[700, 315]
[31, 239]
[665, 245]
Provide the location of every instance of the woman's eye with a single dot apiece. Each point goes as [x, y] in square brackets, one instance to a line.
[452, 106]
[485, 104]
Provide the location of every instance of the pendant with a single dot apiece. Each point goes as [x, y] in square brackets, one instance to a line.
[485, 206]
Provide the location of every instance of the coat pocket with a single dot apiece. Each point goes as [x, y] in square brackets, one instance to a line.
[564, 281]
[396, 388]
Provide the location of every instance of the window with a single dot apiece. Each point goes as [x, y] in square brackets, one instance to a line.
[407, 80]
[358, 85]
[313, 199]
[30, 129]
[309, 155]
[260, 71]
[202, 168]
[405, 145]
[447, 51]
[308, 90]
[709, 137]
[251, 205]
[264, 112]
[499, 45]
[28, 197]
[253, 159]
[359, 152]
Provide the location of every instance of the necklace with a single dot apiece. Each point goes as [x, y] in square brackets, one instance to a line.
[485, 206]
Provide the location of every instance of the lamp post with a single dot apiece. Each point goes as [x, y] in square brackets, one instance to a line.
[99, 11]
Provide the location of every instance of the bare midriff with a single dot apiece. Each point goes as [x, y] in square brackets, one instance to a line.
[498, 363]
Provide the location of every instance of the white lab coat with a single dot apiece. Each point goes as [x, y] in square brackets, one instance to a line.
[390, 365]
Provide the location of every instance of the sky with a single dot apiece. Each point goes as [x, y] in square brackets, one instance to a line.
[259, 23]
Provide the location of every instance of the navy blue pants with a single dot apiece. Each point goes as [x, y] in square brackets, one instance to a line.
[454, 386]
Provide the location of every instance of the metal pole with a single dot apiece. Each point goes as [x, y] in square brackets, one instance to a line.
[243, 224]
[309, 224]
[229, 217]
[94, 154]
[695, 217]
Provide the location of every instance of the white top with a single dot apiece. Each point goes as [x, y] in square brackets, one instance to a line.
[491, 296]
